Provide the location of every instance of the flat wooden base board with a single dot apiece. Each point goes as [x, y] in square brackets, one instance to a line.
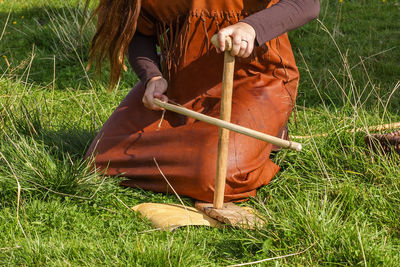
[172, 216]
[232, 214]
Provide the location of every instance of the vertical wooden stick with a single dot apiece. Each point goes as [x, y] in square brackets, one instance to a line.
[223, 142]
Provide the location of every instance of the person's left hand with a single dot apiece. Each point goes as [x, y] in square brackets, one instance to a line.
[243, 36]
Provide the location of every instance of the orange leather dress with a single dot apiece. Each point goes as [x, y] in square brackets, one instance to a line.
[265, 88]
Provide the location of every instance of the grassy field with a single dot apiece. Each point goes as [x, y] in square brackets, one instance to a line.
[335, 203]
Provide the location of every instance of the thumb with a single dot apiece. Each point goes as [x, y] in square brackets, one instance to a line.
[161, 97]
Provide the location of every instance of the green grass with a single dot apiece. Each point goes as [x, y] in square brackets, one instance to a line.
[335, 203]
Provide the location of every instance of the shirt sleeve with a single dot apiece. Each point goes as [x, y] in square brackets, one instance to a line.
[143, 57]
[142, 50]
[282, 17]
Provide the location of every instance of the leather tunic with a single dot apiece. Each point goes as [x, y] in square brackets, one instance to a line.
[265, 88]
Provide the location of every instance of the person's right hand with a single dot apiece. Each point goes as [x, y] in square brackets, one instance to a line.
[155, 88]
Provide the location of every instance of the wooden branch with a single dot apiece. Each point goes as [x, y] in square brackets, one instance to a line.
[376, 128]
[230, 126]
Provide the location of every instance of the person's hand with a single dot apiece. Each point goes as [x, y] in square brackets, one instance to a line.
[243, 36]
[155, 88]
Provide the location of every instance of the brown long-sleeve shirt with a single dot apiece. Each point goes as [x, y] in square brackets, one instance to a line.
[269, 23]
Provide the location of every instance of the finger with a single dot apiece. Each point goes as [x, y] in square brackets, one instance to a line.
[148, 99]
[159, 90]
[162, 97]
[243, 48]
[236, 44]
[249, 49]
[146, 103]
[149, 90]
[153, 106]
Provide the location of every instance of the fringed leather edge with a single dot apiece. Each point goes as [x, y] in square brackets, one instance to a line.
[173, 36]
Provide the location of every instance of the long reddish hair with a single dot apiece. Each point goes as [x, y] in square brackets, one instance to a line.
[116, 25]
